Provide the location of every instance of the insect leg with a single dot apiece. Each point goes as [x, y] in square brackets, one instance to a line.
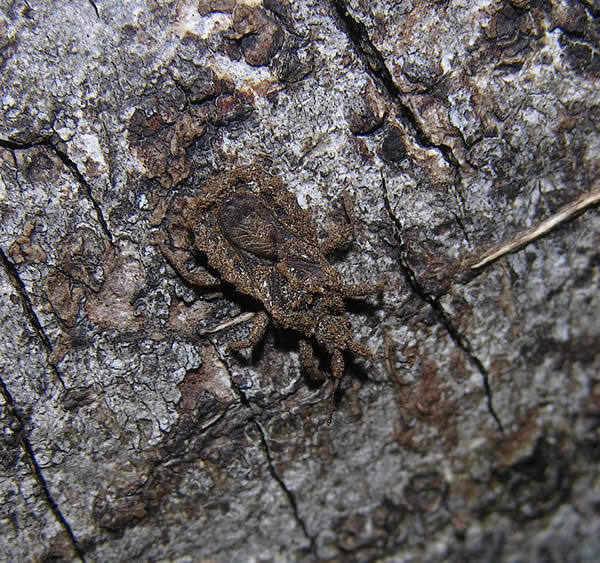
[360, 349]
[305, 350]
[178, 259]
[360, 289]
[339, 234]
[261, 321]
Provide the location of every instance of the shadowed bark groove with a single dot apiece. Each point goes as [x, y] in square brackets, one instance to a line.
[281, 483]
[64, 157]
[245, 401]
[376, 66]
[439, 311]
[37, 472]
[30, 313]
[18, 284]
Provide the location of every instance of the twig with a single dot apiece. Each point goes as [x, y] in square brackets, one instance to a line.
[228, 323]
[567, 213]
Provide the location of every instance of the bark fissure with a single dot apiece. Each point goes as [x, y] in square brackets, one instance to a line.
[66, 160]
[64, 157]
[19, 285]
[29, 311]
[376, 67]
[578, 37]
[440, 313]
[461, 206]
[461, 341]
[286, 490]
[36, 470]
[245, 401]
[95, 8]
[11, 145]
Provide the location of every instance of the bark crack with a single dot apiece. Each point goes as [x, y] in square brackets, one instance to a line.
[461, 341]
[64, 157]
[11, 145]
[281, 483]
[95, 8]
[19, 286]
[376, 67]
[66, 160]
[245, 401]
[440, 313]
[36, 470]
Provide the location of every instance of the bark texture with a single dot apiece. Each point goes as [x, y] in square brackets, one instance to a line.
[129, 433]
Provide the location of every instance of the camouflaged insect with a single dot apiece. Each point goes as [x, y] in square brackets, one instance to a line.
[257, 237]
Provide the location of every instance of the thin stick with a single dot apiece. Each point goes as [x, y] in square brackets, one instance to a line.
[231, 322]
[565, 214]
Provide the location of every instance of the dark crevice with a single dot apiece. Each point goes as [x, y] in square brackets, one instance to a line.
[461, 226]
[375, 63]
[75, 281]
[509, 67]
[174, 454]
[592, 10]
[442, 316]
[11, 145]
[578, 37]
[462, 343]
[574, 35]
[245, 401]
[289, 494]
[17, 282]
[95, 8]
[37, 472]
[460, 204]
[280, 13]
[365, 49]
[64, 157]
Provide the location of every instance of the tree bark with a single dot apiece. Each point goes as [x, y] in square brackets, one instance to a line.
[131, 433]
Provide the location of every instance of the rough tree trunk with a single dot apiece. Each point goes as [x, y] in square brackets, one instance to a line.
[473, 432]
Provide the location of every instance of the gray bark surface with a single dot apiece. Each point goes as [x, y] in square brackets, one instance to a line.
[129, 433]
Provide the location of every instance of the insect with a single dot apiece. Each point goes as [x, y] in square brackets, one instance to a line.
[256, 237]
